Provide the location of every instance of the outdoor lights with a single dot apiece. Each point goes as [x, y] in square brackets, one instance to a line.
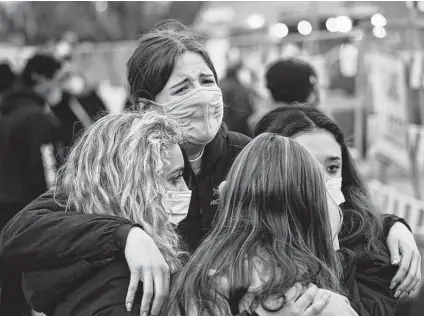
[279, 30]
[101, 6]
[378, 20]
[331, 25]
[344, 24]
[304, 27]
[256, 21]
[379, 32]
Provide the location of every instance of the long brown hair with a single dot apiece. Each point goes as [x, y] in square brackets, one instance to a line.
[273, 209]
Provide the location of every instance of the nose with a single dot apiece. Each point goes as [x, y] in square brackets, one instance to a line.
[182, 186]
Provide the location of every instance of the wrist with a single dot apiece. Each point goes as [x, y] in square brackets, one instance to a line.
[122, 233]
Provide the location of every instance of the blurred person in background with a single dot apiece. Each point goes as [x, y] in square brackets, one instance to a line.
[7, 79]
[29, 143]
[78, 108]
[291, 81]
[238, 99]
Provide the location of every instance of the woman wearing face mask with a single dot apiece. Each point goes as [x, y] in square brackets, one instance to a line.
[127, 166]
[171, 71]
[373, 283]
[273, 230]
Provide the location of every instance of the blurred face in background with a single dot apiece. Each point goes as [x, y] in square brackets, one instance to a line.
[49, 88]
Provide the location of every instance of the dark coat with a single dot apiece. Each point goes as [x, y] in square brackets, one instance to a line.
[26, 128]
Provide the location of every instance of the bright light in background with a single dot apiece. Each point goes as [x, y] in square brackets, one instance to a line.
[213, 15]
[304, 27]
[279, 30]
[331, 25]
[379, 32]
[101, 6]
[378, 20]
[256, 21]
[420, 6]
[344, 24]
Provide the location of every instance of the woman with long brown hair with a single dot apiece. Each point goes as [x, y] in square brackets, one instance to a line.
[272, 230]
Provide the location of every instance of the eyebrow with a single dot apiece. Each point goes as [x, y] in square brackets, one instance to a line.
[202, 73]
[181, 169]
[333, 158]
[179, 83]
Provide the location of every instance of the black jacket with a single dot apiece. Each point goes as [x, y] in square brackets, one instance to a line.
[367, 281]
[28, 133]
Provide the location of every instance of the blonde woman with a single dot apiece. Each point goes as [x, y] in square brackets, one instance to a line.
[128, 166]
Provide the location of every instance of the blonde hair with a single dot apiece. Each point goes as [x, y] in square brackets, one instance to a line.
[116, 167]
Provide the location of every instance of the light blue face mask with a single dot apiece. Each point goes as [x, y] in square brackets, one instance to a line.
[178, 203]
[200, 112]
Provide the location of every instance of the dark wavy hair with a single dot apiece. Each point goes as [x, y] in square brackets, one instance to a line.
[152, 63]
[361, 224]
[272, 213]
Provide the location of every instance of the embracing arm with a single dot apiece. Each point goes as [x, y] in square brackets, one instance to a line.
[43, 236]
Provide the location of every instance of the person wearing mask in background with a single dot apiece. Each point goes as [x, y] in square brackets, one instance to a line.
[169, 70]
[272, 231]
[291, 81]
[238, 100]
[29, 144]
[78, 108]
[373, 280]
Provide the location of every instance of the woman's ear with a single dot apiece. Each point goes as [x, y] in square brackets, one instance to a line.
[222, 186]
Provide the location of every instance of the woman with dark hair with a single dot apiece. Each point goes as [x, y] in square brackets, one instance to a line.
[367, 269]
[171, 71]
[272, 230]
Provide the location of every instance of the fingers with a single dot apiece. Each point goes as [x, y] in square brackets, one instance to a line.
[318, 305]
[132, 289]
[293, 293]
[411, 280]
[394, 252]
[161, 283]
[402, 272]
[307, 298]
[147, 294]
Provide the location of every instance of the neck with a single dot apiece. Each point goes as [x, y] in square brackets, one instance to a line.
[193, 151]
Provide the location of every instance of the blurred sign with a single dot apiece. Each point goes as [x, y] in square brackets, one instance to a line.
[389, 92]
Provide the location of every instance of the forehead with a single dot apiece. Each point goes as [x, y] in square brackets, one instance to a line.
[176, 158]
[320, 143]
[189, 64]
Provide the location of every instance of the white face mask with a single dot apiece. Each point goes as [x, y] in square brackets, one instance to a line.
[200, 112]
[335, 198]
[334, 188]
[178, 203]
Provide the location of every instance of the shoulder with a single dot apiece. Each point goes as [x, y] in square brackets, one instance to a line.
[237, 140]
